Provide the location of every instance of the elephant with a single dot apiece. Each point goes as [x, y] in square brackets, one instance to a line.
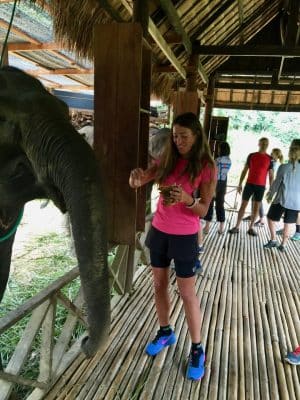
[43, 156]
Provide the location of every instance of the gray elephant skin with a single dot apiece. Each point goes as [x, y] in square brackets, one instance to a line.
[43, 156]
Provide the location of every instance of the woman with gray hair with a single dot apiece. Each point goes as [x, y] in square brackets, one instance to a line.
[287, 200]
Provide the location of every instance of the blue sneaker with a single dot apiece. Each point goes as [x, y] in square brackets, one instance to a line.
[296, 236]
[293, 357]
[196, 367]
[198, 267]
[271, 244]
[159, 343]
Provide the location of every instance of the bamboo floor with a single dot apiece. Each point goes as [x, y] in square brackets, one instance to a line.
[250, 300]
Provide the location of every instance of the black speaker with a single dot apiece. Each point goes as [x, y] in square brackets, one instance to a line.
[219, 128]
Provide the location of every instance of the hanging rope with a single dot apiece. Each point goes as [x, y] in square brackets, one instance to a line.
[8, 32]
[14, 228]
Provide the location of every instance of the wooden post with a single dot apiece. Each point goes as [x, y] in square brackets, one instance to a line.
[118, 79]
[141, 14]
[209, 104]
[188, 100]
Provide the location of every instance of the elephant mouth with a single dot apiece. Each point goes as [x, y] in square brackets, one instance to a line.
[5, 220]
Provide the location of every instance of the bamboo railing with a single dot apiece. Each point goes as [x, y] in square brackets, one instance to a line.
[55, 358]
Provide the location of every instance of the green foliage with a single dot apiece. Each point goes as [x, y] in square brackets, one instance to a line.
[281, 125]
[247, 126]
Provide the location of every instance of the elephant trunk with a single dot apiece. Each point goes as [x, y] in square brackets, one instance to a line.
[85, 203]
[69, 172]
[89, 231]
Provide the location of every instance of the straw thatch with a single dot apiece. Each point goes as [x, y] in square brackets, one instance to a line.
[73, 22]
[162, 85]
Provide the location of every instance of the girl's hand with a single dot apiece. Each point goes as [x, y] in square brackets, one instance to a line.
[136, 178]
[268, 197]
[178, 195]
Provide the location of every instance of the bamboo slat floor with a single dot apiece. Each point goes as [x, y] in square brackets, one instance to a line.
[250, 300]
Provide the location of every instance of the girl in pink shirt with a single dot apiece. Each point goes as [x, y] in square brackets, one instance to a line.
[186, 165]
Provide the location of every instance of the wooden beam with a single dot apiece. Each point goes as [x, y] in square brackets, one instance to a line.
[209, 104]
[241, 18]
[160, 41]
[174, 19]
[141, 15]
[292, 29]
[255, 106]
[60, 71]
[257, 86]
[29, 46]
[111, 11]
[247, 51]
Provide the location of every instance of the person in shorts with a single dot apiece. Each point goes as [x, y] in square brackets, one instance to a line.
[185, 166]
[258, 167]
[286, 203]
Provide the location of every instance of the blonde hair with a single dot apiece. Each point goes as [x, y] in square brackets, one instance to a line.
[294, 152]
[278, 154]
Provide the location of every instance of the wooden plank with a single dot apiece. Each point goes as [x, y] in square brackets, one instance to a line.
[29, 46]
[119, 59]
[66, 334]
[23, 348]
[72, 307]
[19, 380]
[14, 316]
[47, 344]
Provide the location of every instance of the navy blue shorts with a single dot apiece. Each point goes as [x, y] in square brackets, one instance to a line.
[257, 191]
[182, 248]
[276, 211]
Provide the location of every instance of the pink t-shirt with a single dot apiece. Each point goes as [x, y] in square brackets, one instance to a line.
[178, 219]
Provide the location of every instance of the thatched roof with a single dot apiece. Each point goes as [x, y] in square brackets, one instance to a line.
[214, 22]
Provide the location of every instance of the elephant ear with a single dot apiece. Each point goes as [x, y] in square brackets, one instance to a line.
[10, 109]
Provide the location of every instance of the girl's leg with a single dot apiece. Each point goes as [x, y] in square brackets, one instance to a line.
[208, 216]
[200, 236]
[271, 225]
[161, 294]
[286, 233]
[191, 306]
[220, 200]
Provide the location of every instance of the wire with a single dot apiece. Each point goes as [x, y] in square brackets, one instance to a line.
[8, 32]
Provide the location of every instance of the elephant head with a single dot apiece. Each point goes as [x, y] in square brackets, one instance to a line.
[42, 155]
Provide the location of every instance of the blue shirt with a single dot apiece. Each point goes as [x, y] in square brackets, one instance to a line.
[223, 166]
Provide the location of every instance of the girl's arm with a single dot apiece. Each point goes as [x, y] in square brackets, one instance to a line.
[276, 184]
[207, 192]
[139, 177]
